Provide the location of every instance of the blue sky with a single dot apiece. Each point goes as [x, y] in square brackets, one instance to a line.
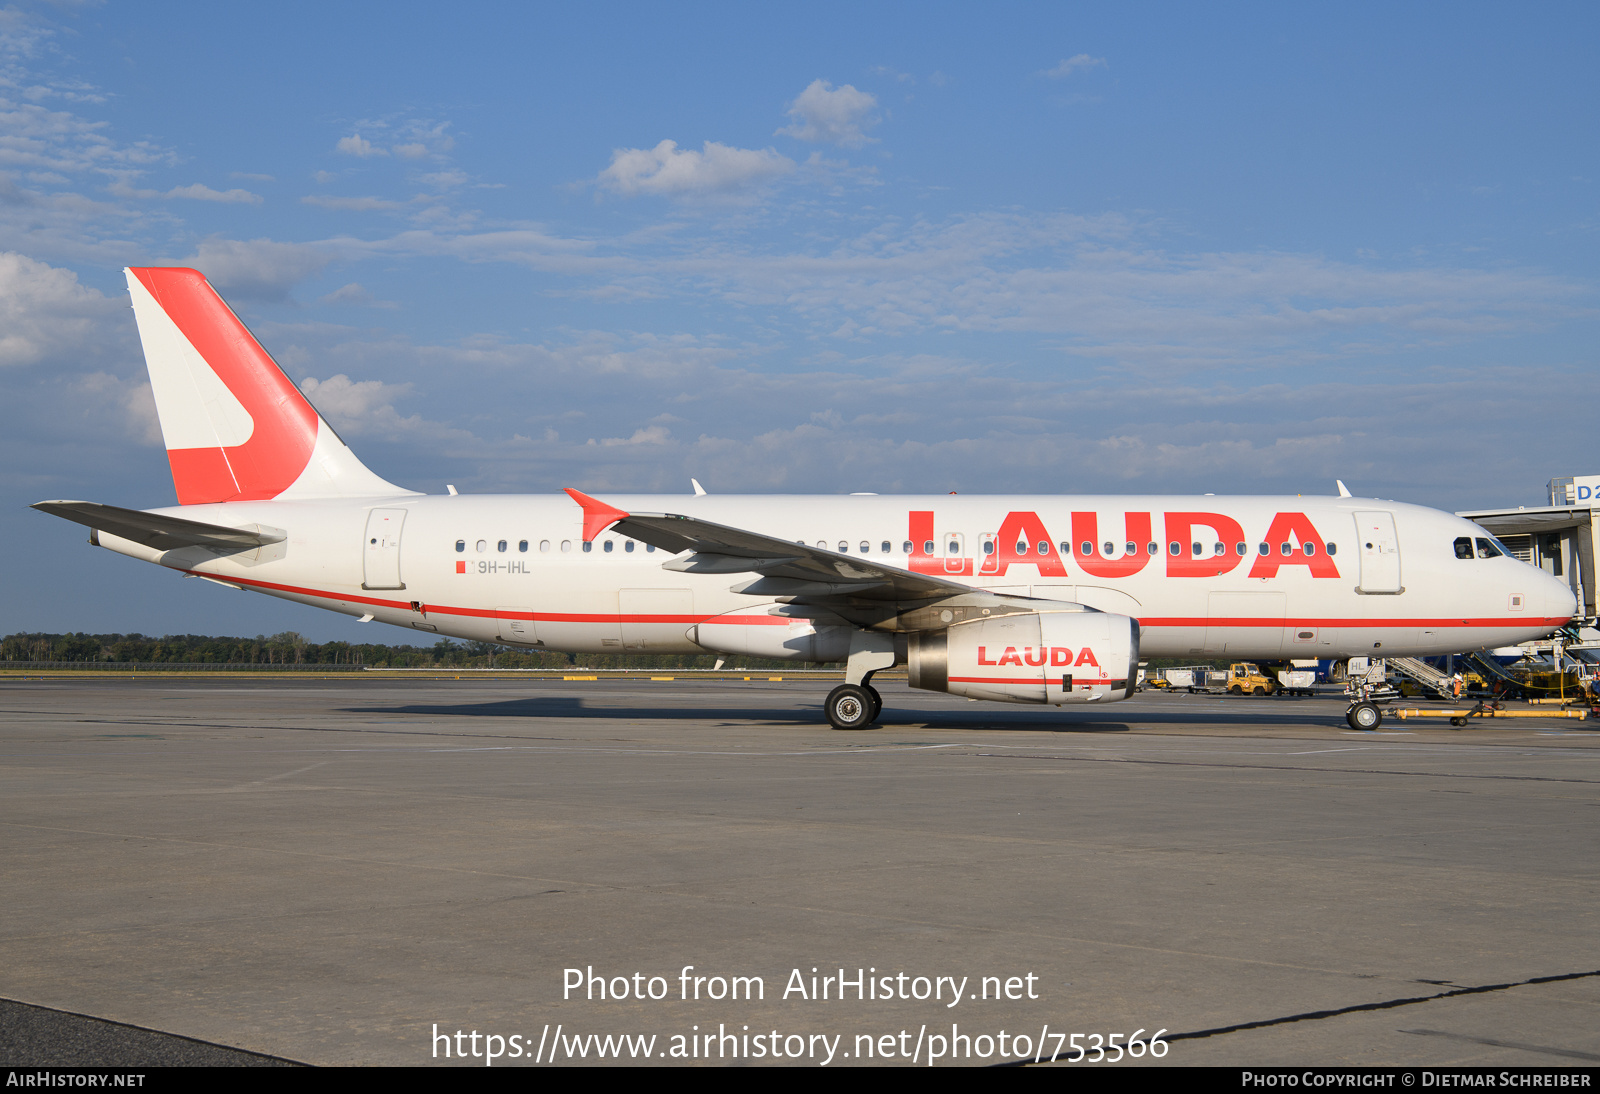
[1043, 248]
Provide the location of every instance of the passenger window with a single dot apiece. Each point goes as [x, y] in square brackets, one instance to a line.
[461, 545]
[649, 547]
[1044, 546]
[588, 545]
[1286, 548]
[906, 547]
[927, 546]
[1086, 548]
[544, 546]
[502, 547]
[566, 545]
[1174, 548]
[822, 544]
[522, 545]
[1218, 549]
[988, 546]
[1333, 548]
[1132, 548]
[887, 547]
[1486, 549]
[866, 548]
[953, 548]
[609, 545]
[1110, 549]
[1309, 548]
[1241, 548]
[483, 545]
[1152, 549]
[628, 546]
[1263, 549]
[844, 548]
[1197, 548]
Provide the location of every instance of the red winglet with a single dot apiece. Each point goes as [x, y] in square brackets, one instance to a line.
[597, 515]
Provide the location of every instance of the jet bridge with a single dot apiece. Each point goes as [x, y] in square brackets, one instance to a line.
[1559, 538]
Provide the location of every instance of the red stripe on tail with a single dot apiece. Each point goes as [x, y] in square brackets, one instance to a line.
[285, 423]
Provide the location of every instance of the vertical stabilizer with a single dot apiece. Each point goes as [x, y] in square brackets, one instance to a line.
[235, 427]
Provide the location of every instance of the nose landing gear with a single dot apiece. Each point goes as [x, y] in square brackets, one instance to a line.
[1364, 715]
[1365, 693]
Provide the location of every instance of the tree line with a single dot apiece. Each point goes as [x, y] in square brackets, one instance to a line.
[290, 648]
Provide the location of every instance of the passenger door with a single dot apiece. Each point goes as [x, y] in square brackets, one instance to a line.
[1380, 553]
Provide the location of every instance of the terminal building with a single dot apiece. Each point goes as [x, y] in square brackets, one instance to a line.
[1559, 538]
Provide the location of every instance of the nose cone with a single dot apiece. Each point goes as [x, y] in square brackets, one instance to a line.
[1559, 601]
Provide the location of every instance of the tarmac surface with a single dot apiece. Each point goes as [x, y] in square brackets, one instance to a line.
[350, 871]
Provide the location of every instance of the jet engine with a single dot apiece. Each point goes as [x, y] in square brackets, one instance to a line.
[1068, 656]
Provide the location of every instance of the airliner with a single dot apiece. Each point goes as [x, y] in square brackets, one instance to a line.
[1045, 599]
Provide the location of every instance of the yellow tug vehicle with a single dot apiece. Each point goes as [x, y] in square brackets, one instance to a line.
[1245, 677]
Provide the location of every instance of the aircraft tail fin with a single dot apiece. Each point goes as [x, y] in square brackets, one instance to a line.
[236, 428]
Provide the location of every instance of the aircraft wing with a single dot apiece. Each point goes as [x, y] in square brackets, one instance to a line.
[161, 533]
[786, 568]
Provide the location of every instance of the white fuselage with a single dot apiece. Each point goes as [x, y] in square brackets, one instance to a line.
[1213, 575]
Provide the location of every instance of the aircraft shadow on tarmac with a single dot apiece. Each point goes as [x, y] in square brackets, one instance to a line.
[1021, 719]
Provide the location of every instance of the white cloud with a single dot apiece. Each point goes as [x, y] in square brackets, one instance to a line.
[445, 180]
[45, 314]
[363, 407]
[351, 205]
[825, 114]
[357, 145]
[355, 293]
[200, 192]
[411, 151]
[120, 405]
[719, 169]
[1080, 62]
[260, 269]
[655, 434]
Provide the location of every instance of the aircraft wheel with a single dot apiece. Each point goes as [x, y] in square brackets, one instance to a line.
[849, 706]
[1364, 716]
[877, 702]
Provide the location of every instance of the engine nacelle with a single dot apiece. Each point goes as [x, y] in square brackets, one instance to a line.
[758, 632]
[1041, 657]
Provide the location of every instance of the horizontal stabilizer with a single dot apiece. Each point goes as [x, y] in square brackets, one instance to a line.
[158, 532]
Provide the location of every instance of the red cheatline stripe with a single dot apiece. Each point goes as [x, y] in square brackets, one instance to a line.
[1274, 623]
[489, 613]
[1076, 680]
[781, 621]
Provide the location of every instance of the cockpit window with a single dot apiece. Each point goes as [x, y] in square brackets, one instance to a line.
[1487, 549]
[1464, 547]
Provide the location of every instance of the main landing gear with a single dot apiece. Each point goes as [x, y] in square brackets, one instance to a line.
[856, 704]
[853, 706]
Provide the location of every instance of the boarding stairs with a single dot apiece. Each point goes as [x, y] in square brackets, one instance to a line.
[1423, 673]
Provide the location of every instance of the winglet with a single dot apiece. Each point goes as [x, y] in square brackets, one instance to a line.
[1344, 491]
[597, 515]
